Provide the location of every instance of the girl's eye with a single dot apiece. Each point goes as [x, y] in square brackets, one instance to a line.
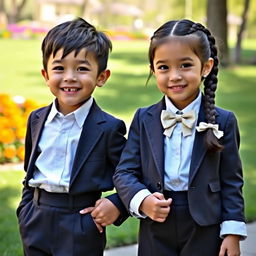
[163, 67]
[186, 65]
[58, 68]
[83, 69]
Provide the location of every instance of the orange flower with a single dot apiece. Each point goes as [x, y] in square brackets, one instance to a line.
[9, 152]
[4, 122]
[21, 152]
[7, 136]
[13, 118]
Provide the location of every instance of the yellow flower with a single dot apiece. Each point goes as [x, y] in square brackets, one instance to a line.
[20, 133]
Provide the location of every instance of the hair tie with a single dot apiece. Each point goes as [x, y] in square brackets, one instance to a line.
[215, 128]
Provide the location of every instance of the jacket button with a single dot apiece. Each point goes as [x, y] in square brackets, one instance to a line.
[158, 185]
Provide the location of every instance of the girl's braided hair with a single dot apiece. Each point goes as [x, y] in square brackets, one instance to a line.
[203, 45]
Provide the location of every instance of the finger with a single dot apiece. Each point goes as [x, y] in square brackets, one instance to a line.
[222, 251]
[164, 203]
[159, 196]
[169, 201]
[99, 227]
[86, 210]
[98, 202]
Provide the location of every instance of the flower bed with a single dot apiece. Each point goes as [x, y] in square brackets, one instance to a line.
[13, 117]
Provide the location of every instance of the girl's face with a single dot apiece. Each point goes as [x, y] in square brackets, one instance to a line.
[178, 71]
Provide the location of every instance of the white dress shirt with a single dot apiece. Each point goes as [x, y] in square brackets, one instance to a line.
[58, 144]
[179, 151]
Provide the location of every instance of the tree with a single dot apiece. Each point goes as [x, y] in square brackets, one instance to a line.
[12, 9]
[217, 23]
[237, 55]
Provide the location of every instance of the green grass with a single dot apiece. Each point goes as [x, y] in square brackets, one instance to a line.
[125, 91]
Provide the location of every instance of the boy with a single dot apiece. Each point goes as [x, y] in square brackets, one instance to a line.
[72, 149]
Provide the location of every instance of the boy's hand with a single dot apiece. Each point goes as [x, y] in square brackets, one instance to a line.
[230, 246]
[156, 206]
[104, 212]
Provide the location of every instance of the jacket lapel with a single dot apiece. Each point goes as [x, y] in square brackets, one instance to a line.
[90, 135]
[36, 129]
[154, 131]
[199, 149]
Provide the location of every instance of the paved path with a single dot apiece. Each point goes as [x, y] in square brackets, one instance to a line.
[248, 247]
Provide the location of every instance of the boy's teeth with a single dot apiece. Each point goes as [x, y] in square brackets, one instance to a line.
[70, 89]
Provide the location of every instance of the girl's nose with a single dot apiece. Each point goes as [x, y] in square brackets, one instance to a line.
[175, 75]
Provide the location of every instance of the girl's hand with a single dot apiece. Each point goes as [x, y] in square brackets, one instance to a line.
[103, 213]
[230, 246]
[156, 207]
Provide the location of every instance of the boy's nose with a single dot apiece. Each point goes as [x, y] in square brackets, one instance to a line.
[70, 77]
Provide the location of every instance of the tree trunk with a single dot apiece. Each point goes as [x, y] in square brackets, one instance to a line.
[237, 55]
[15, 12]
[217, 24]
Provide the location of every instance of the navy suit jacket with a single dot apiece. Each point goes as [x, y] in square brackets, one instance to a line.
[98, 152]
[215, 179]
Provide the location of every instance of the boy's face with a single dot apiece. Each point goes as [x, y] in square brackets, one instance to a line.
[72, 80]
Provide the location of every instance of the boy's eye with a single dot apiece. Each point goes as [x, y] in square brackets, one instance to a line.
[58, 68]
[186, 65]
[83, 69]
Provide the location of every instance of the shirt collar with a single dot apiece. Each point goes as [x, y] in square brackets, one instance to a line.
[195, 105]
[80, 114]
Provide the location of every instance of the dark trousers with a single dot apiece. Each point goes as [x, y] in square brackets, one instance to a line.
[179, 235]
[50, 230]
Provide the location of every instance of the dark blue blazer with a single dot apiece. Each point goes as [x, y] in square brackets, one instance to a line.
[98, 152]
[215, 179]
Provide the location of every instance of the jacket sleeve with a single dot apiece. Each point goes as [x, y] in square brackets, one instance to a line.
[128, 175]
[231, 173]
[27, 193]
[116, 142]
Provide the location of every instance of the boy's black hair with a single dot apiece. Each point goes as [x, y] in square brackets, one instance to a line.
[74, 36]
[202, 43]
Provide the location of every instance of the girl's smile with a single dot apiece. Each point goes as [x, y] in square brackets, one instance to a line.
[178, 71]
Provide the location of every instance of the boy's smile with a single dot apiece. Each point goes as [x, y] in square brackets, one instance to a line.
[73, 79]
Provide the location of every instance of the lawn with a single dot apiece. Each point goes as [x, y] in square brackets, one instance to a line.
[20, 65]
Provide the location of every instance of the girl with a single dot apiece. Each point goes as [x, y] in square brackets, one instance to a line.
[180, 171]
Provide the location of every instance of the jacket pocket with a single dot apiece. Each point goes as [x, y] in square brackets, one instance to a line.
[215, 186]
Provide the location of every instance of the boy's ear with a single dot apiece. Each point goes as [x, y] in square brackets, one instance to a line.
[44, 74]
[103, 77]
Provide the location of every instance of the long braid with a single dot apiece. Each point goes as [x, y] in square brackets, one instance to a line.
[204, 48]
[210, 86]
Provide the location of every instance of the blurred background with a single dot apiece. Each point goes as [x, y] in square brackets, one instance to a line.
[129, 24]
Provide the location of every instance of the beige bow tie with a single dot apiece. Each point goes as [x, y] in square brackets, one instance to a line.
[169, 121]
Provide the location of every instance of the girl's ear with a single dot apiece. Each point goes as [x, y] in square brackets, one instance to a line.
[103, 77]
[44, 74]
[207, 67]
[151, 69]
